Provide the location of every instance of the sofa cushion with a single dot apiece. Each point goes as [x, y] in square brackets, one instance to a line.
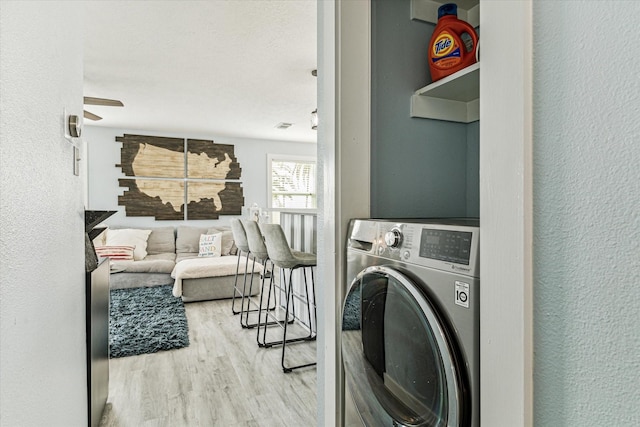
[188, 239]
[129, 237]
[153, 265]
[165, 257]
[228, 245]
[186, 255]
[162, 240]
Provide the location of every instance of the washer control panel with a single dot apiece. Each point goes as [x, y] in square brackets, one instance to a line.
[448, 244]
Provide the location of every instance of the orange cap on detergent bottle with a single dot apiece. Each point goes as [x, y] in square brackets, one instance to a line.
[453, 43]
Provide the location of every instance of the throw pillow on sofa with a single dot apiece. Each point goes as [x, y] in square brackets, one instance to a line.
[228, 245]
[210, 245]
[129, 237]
[115, 253]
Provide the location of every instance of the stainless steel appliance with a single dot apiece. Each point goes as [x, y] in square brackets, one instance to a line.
[410, 324]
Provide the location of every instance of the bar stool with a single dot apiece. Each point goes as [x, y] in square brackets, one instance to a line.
[258, 250]
[283, 257]
[240, 239]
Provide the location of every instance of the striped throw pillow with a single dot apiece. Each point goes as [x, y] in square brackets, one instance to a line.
[116, 253]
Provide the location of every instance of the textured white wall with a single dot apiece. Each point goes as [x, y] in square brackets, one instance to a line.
[42, 294]
[586, 213]
[104, 154]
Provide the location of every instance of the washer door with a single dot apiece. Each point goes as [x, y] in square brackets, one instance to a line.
[400, 362]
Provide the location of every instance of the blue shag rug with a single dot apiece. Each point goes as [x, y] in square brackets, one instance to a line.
[146, 320]
[351, 311]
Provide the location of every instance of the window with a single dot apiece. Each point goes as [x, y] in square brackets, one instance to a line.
[292, 182]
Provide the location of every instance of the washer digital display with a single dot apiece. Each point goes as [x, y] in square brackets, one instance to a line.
[445, 245]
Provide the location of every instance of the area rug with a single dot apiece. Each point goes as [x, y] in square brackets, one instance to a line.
[146, 320]
[351, 311]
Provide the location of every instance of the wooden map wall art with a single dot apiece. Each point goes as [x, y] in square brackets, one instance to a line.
[176, 178]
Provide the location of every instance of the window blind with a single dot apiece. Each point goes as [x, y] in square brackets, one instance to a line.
[293, 184]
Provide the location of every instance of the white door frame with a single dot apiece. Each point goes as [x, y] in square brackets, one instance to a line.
[344, 145]
[506, 301]
[505, 196]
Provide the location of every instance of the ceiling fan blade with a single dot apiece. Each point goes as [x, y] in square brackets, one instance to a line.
[103, 101]
[91, 116]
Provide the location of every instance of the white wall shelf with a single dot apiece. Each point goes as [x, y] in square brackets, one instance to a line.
[427, 10]
[454, 98]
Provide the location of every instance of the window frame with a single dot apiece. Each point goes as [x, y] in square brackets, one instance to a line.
[291, 158]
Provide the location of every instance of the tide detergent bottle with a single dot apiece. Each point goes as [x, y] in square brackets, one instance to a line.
[453, 43]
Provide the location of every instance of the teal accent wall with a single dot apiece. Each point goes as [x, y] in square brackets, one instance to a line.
[419, 167]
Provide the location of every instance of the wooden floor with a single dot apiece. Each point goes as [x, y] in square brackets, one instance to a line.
[222, 379]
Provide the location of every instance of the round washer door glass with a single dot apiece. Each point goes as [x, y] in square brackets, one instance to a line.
[398, 361]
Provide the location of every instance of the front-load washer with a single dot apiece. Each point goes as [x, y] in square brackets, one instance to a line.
[410, 322]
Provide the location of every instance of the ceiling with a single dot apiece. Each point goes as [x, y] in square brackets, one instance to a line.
[216, 68]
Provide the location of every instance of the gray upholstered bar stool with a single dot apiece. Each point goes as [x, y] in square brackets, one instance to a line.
[283, 257]
[258, 250]
[240, 239]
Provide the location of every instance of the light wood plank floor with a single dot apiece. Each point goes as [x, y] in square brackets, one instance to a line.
[222, 379]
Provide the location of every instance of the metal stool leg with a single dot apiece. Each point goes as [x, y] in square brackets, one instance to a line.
[264, 334]
[287, 369]
[282, 323]
[260, 304]
[244, 312]
[266, 322]
[235, 286]
[245, 324]
[312, 322]
[315, 307]
[244, 287]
